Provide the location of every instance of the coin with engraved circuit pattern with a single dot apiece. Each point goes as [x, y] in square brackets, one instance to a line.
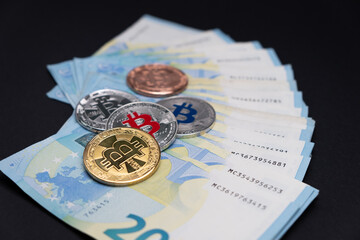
[194, 116]
[94, 109]
[157, 80]
[122, 156]
[153, 118]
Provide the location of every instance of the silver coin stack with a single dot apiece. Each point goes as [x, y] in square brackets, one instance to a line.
[169, 118]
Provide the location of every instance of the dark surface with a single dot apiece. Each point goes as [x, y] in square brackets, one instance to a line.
[320, 40]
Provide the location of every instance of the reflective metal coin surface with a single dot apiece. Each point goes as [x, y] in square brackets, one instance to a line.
[157, 80]
[194, 116]
[153, 118]
[122, 156]
[94, 109]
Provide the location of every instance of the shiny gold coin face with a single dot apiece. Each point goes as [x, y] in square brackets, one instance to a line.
[122, 156]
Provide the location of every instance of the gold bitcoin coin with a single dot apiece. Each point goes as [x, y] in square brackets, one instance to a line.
[122, 156]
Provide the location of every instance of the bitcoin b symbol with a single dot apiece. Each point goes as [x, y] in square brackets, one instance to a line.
[189, 114]
[120, 152]
[105, 105]
[147, 121]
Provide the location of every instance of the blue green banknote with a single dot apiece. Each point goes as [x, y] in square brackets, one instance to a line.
[183, 190]
[264, 146]
[119, 67]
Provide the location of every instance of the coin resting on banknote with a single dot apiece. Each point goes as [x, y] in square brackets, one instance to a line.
[153, 118]
[157, 80]
[94, 109]
[194, 116]
[121, 156]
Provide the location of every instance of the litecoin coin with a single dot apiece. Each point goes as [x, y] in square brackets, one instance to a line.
[152, 118]
[94, 109]
[122, 156]
[157, 80]
[194, 116]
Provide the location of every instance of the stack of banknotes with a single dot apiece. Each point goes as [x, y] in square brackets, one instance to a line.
[240, 180]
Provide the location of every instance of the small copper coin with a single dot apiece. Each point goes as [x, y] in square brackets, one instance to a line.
[157, 80]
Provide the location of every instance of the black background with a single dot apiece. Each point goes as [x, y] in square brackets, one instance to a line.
[320, 40]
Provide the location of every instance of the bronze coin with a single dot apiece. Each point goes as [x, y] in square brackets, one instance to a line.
[157, 80]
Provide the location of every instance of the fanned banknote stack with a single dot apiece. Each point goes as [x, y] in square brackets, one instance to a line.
[240, 180]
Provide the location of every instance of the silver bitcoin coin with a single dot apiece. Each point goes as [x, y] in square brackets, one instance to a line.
[152, 118]
[194, 116]
[94, 109]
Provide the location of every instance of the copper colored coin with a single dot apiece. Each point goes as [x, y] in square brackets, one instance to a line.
[157, 80]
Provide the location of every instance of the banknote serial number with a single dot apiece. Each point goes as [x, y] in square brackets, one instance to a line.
[261, 146]
[257, 182]
[259, 159]
[242, 198]
[257, 100]
[96, 208]
[270, 134]
[258, 78]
